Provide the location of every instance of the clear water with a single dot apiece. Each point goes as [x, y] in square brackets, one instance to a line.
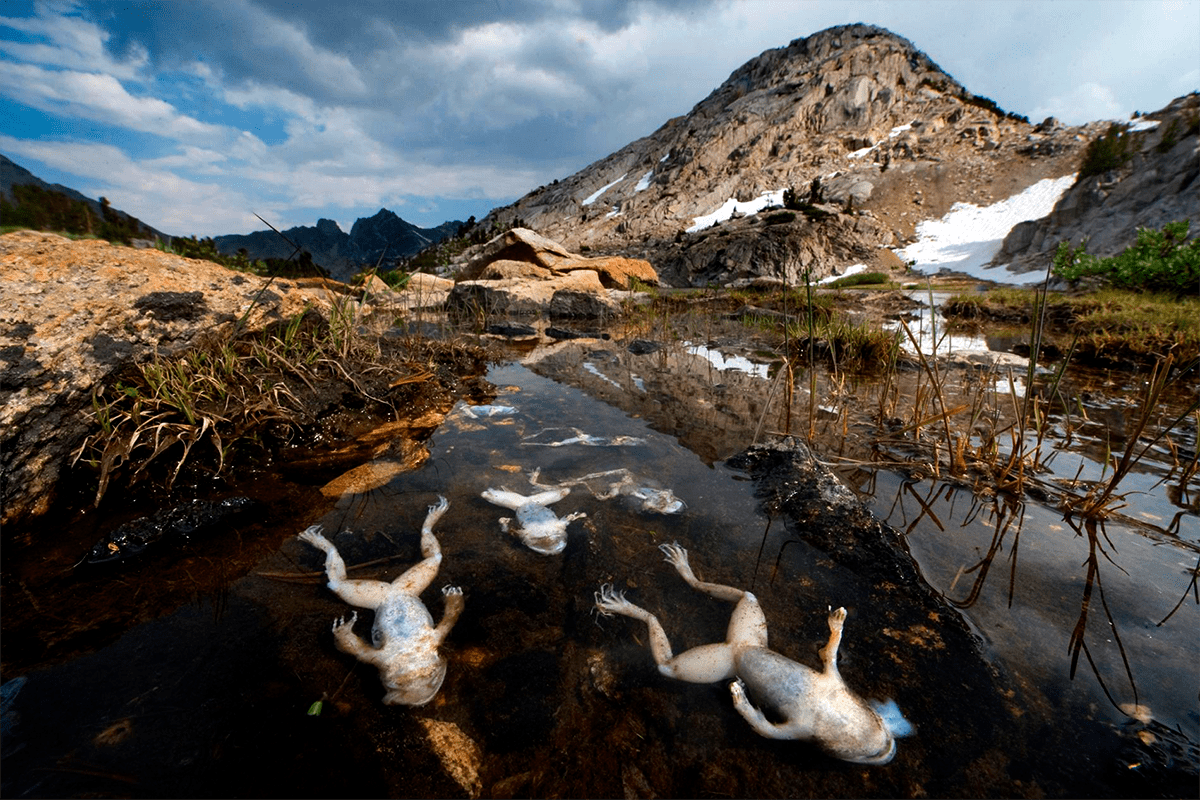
[194, 676]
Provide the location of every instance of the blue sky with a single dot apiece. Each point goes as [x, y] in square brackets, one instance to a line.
[196, 115]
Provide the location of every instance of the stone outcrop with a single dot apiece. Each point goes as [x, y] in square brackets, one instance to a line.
[522, 253]
[576, 294]
[1156, 186]
[856, 107]
[73, 312]
[423, 291]
[522, 273]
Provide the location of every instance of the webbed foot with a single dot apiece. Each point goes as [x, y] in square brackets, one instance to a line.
[837, 618]
[609, 601]
[677, 557]
[439, 507]
[341, 623]
[312, 535]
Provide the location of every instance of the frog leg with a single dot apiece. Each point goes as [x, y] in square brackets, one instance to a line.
[678, 557]
[704, 664]
[351, 643]
[417, 578]
[761, 725]
[454, 607]
[361, 593]
[837, 619]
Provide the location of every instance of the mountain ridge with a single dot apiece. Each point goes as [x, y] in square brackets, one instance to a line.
[855, 119]
[13, 174]
[384, 235]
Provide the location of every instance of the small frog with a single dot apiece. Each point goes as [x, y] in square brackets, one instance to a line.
[404, 642]
[538, 527]
[621, 482]
[815, 706]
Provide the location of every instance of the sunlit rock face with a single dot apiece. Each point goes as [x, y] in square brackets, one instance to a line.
[892, 139]
[76, 311]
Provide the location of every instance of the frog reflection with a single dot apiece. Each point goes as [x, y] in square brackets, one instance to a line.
[815, 706]
[404, 641]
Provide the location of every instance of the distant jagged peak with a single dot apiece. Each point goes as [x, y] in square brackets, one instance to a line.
[329, 227]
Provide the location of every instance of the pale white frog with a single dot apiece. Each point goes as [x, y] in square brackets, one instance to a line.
[815, 706]
[620, 482]
[404, 641]
[538, 527]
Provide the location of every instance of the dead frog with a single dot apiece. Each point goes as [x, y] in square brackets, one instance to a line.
[538, 527]
[815, 706]
[404, 641]
[620, 482]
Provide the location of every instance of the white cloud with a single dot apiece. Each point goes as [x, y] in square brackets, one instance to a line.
[1087, 102]
[74, 43]
[99, 97]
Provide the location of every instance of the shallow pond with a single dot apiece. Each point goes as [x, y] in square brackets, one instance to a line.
[194, 675]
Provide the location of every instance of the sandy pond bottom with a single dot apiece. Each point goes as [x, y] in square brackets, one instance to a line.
[542, 698]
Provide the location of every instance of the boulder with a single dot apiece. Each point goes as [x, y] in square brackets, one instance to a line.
[517, 296]
[518, 244]
[521, 253]
[421, 291]
[74, 312]
[616, 272]
[507, 268]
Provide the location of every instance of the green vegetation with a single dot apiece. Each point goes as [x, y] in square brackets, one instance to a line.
[301, 266]
[779, 218]
[792, 201]
[47, 210]
[1110, 326]
[439, 256]
[859, 279]
[1160, 261]
[1107, 152]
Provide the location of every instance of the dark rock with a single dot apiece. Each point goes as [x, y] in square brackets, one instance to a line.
[171, 306]
[171, 526]
[641, 347]
[512, 329]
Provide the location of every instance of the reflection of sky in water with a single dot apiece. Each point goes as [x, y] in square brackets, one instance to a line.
[590, 367]
[724, 362]
[924, 330]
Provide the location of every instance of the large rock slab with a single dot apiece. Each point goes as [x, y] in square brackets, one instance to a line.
[578, 293]
[522, 253]
[74, 312]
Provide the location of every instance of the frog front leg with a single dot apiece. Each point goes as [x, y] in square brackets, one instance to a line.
[761, 725]
[454, 607]
[352, 644]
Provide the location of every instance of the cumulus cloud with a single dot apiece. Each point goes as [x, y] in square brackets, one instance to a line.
[300, 109]
[72, 42]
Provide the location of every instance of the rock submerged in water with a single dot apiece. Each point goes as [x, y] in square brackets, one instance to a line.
[178, 524]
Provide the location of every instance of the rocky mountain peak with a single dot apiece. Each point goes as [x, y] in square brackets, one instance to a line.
[891, 137]
[328, 227]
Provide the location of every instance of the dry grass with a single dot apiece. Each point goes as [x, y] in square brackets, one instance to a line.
[236, 387]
